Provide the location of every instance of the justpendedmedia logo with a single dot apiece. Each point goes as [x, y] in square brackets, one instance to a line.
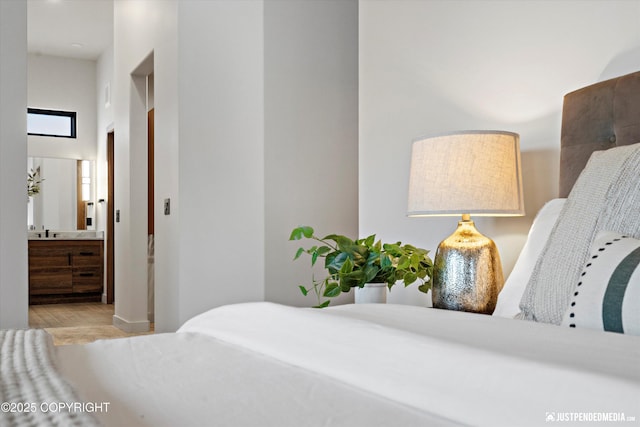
[588, 417]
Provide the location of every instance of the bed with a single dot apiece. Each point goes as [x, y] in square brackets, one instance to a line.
[265, 364]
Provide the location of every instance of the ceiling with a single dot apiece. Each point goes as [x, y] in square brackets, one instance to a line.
[69, 28]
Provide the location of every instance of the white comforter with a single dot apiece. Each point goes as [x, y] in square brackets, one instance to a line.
[262, 364]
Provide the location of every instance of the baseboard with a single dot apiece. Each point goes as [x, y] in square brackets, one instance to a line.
[125, 325]
[104, 298]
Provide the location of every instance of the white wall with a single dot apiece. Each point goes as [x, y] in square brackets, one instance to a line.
[13, 159]
[65, 84]
[104, 124]
[221, 154]
[142, 29]
[432, 66]
[218, 159]
[311, 133]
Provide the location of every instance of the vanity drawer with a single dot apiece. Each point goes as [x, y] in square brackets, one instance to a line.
[87, 249]
[81, 260]
[87, 254]
[87, 279]
[47, 249]
[54, 260]
[55, 280]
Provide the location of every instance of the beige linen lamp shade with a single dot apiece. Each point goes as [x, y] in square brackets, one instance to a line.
[470, 172]
[465, 173]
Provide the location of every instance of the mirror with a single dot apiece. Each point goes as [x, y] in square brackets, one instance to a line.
[55, 205]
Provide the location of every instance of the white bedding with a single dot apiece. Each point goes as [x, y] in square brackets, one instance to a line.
[262, 364]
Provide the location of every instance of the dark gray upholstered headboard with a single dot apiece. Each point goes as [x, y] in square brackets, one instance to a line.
[597, 117]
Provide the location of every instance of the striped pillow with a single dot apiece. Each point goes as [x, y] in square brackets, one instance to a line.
[607, 297]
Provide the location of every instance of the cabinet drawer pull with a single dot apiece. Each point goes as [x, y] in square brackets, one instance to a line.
[86, 274]
[86, 253]
[69, 259]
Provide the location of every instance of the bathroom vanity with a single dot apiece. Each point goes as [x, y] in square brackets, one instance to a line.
[65, 267]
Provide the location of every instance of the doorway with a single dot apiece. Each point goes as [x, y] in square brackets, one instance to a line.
[110, 251]
[150, 213]
[135, 267]
[61, 318]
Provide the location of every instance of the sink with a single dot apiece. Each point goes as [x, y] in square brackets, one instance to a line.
[66, 235]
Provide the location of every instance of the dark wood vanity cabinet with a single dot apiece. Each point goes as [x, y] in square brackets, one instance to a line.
[65, 271]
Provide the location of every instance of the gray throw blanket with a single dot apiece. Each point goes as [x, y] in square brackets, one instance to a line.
[32, 392]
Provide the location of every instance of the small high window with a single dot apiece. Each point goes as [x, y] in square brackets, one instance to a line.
[51, 123]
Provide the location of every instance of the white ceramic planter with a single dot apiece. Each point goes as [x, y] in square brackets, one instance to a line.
[372, 293]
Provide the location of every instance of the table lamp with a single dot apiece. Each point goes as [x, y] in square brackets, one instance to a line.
[466, 173]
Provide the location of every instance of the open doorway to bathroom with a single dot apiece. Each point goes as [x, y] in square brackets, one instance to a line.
[70, 80]
[111, 211]
[82, 322]
[150, 209]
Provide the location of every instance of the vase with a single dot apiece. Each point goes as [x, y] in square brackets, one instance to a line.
[371, 293]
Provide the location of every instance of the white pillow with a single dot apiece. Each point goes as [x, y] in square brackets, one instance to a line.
[607, 297]
[509, 298]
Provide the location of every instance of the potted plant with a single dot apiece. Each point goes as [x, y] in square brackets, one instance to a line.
[354, 263]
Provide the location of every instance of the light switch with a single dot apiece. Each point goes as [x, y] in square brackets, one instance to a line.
[167, 206]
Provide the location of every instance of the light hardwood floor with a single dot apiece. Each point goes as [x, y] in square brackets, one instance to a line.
[77, 323]
[67, 315]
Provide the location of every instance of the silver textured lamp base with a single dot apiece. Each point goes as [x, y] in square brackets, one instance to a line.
[467, 272]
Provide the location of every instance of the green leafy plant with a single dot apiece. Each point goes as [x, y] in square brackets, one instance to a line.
[33, 182]
[350, 263]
